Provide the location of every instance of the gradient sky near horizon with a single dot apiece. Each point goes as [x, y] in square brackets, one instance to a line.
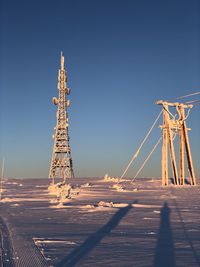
[121, 56]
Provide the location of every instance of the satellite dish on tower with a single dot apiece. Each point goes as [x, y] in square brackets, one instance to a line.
[67, 90]
[68, 103]
[55, 101]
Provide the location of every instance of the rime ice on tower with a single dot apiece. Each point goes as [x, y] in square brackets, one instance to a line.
[61, 162]
[170, 127]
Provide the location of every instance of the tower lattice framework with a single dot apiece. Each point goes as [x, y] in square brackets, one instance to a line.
[61, 162]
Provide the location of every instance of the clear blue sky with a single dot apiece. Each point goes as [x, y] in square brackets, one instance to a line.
[121, 56]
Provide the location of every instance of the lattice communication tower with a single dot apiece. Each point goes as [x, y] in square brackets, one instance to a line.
[61, 162]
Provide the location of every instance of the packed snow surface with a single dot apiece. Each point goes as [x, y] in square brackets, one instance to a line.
[99, 222]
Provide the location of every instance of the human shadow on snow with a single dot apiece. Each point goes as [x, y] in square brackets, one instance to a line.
[92, 241]
[187, 236]
[164, 255]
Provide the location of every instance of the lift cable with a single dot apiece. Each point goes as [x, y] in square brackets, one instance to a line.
[193, 101]
[142, 166]
[137, 152]
[184, 96]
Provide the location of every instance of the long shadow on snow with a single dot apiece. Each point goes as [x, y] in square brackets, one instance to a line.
[194, 252]
[165, 256]
[92, 241]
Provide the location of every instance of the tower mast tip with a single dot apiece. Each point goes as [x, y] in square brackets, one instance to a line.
[62, 60]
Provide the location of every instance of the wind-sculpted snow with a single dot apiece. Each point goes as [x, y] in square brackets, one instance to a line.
[102, 223]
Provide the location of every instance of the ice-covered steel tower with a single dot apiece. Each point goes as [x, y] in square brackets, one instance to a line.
[61, 162]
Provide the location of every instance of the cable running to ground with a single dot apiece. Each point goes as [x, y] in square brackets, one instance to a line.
[146, 159]
[137, 152]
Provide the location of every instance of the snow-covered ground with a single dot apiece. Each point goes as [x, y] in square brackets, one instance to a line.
[102, 224]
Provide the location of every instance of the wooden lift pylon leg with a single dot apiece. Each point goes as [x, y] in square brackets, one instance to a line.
[189, 155]
[182, 158]
[165, 178]
[181, 119]
[172, 156]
